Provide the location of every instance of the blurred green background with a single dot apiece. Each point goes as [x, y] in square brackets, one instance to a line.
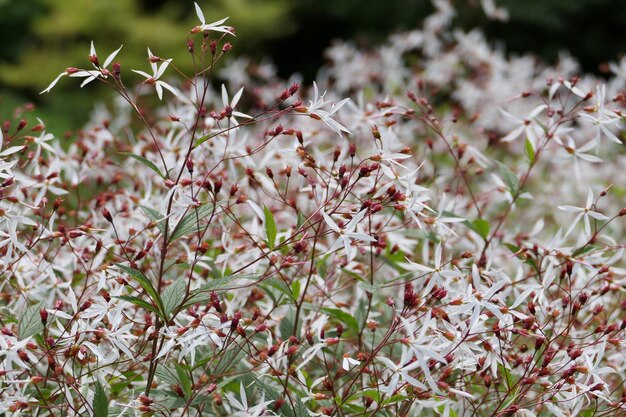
[40, 38]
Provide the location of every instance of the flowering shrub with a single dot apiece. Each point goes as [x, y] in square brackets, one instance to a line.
[445, 242]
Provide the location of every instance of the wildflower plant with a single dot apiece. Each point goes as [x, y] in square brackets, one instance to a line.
[408, 243]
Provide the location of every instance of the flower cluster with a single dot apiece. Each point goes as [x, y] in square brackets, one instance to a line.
[437, 233]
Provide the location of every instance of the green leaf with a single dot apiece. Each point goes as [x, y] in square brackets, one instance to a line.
[185, 380]
[174, 295]
[145, 284]
[204, 138]
[300, 221]
[270, 228]
[229, 359]
[584, 249]
[509, 178]
[138, 302]
[360, 314]
[344, 317]
[145, 162]
[506, 375]
[529, 150]
[100, 402]
[299, 408]
[273, 395]
[156, 217]
[167, 375]
[286, 327]
[191, 222]
[30, 323]
[481, 226]
[201, 294]
[295, 289]
[522, 256]
[281, 286]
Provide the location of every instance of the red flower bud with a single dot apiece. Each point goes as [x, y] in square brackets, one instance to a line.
[107, 215]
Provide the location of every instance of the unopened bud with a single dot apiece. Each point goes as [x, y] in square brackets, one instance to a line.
[107, 215]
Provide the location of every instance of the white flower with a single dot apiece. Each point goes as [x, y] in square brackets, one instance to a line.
[315, 110]
[602, 118]
[347, 233]
[157, 72]
[583, 213]
[100, 71]
[215, 26]
[577, 153]
[348, 362]
[528, 125]
[400, 371]
[243, 410]
[231, 105]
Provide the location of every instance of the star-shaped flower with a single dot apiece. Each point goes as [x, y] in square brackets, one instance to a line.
[347, 233]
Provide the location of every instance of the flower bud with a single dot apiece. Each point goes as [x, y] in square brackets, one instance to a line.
[107, 215]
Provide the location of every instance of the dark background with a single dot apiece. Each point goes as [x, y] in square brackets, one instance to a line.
[40, 38]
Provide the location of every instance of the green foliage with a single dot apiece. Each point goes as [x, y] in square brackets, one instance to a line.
[30, 323]
[60, 37]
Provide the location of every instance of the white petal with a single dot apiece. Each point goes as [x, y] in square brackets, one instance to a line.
[159, 90]
[143, 74]
[597, 215]
[537, 110]
[111, 57]
[162, 69]
[224, 96]
[54, 82]
[331, 223]
[236, 98]
[589, 198]
[513, 135]
[570, 209]
[11, 150]
[199, 13]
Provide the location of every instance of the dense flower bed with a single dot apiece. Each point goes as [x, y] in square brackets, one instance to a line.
[432, 228]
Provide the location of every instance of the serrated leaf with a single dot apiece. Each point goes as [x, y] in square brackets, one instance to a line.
[229, 359]
[100, 402]
[138, 302]
[30, 323]
[217, 284]
[300, 409]
[270, 228]
[156, 217]
[529, 150]
[344, 317]
[166, 375]
[174, 295]
[509, 178]
[146, 162]
[191, 222]
[272, 395]
[145, 284]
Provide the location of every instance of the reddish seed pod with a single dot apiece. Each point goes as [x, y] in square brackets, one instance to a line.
[43, 313]
[21, 125]
[107, 215]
